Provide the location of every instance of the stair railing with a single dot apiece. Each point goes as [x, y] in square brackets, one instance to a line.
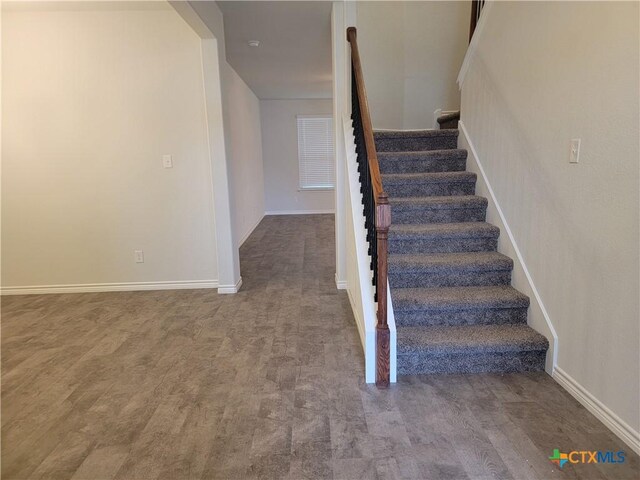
[476, 9]
[377, 211]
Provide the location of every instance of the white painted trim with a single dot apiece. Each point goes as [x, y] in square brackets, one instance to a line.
[473, 46]
[514, 244]
[436, 113]
[230, 289]
[340, 284]
[316, 189]
[248, 234]
[368, 340]
[393, 338]
[618, 426]
[341, 67]
[358, 318]
[109, 287]
[364, 286]
[299, 212]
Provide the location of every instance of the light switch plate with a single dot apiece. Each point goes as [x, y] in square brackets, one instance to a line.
[167, 161]
[139, 256]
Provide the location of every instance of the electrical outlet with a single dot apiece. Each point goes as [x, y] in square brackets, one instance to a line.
[167, 161]
[574, 154]
[139, 256]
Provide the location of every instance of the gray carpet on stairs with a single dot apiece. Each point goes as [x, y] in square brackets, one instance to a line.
[446, 209]
[443, 237]
[449, 269]
[455, 309]
[429, 184]
[451, 160]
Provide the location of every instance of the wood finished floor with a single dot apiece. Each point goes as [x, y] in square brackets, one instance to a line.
[267, 383]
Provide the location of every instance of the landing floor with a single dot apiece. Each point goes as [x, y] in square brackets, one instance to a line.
[267, 383]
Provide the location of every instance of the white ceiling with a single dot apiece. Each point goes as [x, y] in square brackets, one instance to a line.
[294, 56]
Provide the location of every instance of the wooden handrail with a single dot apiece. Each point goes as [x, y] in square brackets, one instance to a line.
[372, 155]
[382, 216]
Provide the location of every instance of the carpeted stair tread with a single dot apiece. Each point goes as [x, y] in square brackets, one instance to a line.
[443, 230]
[431, 184]
[438, 209]
[419, 154]
[456, 269]
[448, 160]
[429, 177]
[419, 133]
[412, 140]
[425, 238]
[445, 202]
[468, 339]
[447, 117]
[457, 298]
[476, 261]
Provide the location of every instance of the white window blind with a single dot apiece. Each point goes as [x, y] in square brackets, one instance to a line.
[315, 152]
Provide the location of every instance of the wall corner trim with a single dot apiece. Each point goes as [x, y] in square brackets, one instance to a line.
[513, 242]
[618, 426]
[340, 284]
[230, 289]
[473, 46]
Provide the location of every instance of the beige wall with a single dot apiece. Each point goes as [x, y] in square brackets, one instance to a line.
[246, 178]
[91, 100]
[242, 131]
[543, 74]
[411, 54]
[280, 156]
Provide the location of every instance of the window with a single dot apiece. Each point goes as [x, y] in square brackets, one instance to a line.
[315, 152]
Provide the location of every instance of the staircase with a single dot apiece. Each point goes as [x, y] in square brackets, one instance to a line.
[454, 307]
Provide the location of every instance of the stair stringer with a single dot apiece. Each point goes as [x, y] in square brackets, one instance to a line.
[538, 318]
[359, 276]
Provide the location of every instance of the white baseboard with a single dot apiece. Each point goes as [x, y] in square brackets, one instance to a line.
[493, 202]
[248, 234]
[618, 426]
[340, 284]
[230, 289]
[359, 320]
[108, 287]
[299, 212]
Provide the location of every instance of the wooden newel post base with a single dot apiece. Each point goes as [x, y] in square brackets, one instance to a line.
[383, 352]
